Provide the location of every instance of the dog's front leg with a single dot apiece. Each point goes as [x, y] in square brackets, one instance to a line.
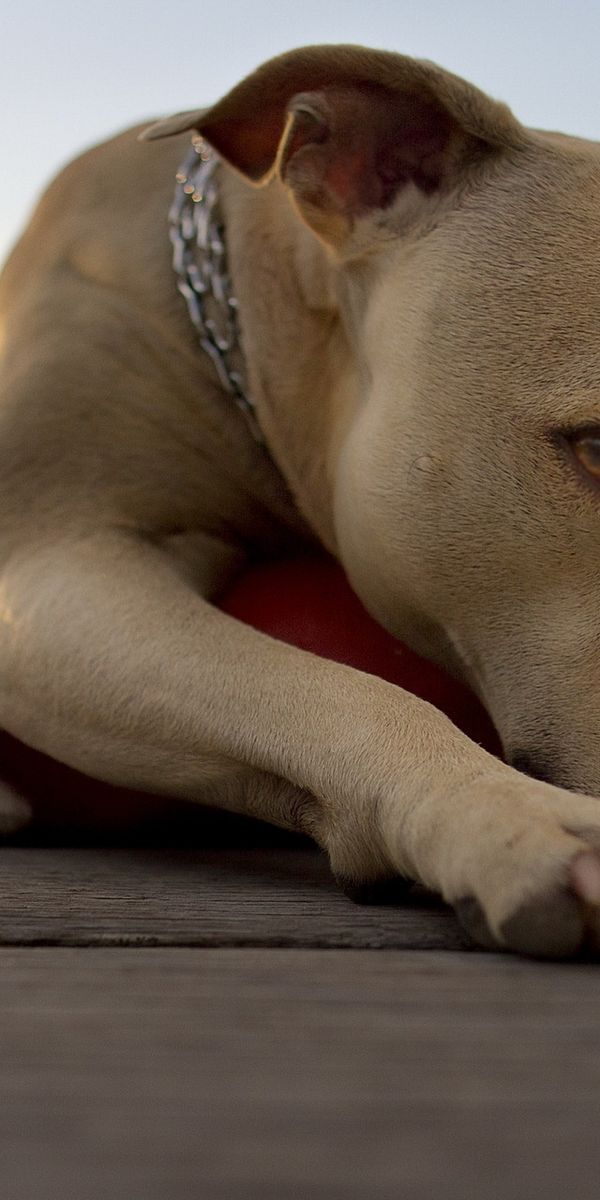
[111, 662]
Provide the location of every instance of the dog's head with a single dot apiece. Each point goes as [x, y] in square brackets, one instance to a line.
[467, 488]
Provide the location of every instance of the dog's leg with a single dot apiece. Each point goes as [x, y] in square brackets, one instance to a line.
[111, 662]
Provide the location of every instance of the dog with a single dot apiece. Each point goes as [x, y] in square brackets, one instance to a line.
[412, 382]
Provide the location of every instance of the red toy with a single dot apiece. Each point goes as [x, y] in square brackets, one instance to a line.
[308, 601]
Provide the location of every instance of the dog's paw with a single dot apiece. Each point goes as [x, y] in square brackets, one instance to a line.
[15, 812]
[534, 872]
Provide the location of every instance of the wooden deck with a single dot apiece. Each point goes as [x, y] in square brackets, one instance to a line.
[222, 1023]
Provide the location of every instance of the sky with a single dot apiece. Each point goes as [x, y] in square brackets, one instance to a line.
[72, 73]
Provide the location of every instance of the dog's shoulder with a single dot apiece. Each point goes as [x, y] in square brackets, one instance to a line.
[95, 211]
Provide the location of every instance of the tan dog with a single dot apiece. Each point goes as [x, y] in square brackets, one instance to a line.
[418, 279]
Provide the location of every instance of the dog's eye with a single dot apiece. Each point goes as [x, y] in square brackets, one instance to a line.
[586, 448]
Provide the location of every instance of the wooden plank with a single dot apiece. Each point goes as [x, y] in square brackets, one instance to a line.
[153, 1074]
[225, 897]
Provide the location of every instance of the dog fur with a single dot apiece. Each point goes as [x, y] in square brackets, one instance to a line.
[419, 291]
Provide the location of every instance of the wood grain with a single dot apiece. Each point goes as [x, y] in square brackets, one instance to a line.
[213, 1023]
[226, 897]
[164, 1074]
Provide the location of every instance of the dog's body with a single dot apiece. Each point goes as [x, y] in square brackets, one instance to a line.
[419, 289]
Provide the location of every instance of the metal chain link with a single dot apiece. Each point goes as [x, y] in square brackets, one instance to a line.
[203, 279]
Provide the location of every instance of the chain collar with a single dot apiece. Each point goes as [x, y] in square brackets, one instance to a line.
[196, 224]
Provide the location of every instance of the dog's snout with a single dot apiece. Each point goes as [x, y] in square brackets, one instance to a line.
[532, 764]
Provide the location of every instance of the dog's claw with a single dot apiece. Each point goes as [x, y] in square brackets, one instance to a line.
[557, 925]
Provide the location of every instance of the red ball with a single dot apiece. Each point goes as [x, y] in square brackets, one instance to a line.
[308, 602]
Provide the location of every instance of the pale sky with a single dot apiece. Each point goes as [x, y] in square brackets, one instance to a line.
[72, 73]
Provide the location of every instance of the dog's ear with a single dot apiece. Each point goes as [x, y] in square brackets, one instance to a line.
[348, 128]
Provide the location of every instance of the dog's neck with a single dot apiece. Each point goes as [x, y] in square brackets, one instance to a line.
[299, 364]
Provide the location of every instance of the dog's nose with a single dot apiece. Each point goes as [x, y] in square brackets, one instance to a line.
[532, 764]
